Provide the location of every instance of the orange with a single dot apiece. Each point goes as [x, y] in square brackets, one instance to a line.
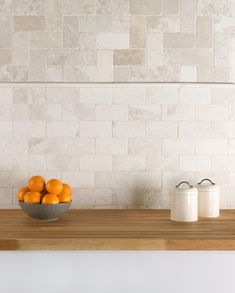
[64, 197]
[50, 199]
[54, 186]
[66, 189]
[22, 192]
[32, 197]
[36, 183]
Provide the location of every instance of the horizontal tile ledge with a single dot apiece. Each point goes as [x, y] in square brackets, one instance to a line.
[114, 84]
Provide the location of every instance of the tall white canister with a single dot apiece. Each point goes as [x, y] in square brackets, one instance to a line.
[184, 204]
[208, 199]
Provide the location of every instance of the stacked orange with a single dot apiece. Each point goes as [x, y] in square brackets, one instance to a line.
[38, 191]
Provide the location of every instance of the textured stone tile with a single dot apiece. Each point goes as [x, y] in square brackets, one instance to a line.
[71, 32]
[20, 49]
[146, 7]
[111, 146]
[163, 24]
[112, 41]
[188, 9]
[171, 7]
[129, 57]
[104, 66]
[111, 112]
[213, 74]
[37, 65]
[5, 56]
[121, 23]
[204, 32]
[179, 40]
[138, 31]
[155, 55]
[5, 31]
[144, 146]
[46, 40]
[213, 7]
[144, 112]
[29, 23]
[162, 95]
[96, 23]
[104, 7]
[121, 73]
[199, 57]
[78, 7]
[221, 50]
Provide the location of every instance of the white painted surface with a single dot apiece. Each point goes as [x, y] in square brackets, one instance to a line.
[117, 272]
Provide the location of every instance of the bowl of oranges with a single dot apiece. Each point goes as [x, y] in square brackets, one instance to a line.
[45, 200]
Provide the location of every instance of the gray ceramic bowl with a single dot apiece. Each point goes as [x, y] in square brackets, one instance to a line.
[46, 212]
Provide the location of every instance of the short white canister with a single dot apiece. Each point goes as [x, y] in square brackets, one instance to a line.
[208, 199]
[184, 204]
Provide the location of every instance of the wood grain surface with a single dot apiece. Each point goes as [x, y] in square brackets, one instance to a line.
[116, 230]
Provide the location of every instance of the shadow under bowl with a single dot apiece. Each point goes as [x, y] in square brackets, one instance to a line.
[44, 212]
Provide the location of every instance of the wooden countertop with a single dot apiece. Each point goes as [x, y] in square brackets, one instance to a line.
[116, 230]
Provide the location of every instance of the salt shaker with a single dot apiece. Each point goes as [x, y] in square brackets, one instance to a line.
[208, 199]
[184, 205]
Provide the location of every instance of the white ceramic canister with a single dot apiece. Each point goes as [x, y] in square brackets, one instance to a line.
[208, 199]
[184, 205]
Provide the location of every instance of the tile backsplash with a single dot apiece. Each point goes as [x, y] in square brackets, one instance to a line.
[123, 145]
[117, 40]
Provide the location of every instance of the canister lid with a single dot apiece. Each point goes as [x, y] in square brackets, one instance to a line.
[208, 186]
[185, 188]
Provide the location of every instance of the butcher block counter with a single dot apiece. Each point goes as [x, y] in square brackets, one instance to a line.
[115, 230]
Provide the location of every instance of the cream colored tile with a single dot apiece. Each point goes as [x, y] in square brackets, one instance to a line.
[204, 32]
[95, 163]
[111, 146]
[179, 40]
[155, 49]
[78, 112]
[71, 32]
[221, 50]
[121, 73]
[112, 41]
[146, 7]
[188, 9]
[37, 65]
[162, 95]
[213, 74]
[95, 129]
[121, 7]
[20, 48]
[144, 112]
[79, 73]
[78, 7]
[111, 112]
[6, 95]
[121, 23]
[62, 128]
[188, 73]
[122, 95]
[104, 7]
[96, 23]
[104, 65]
[213, 7]
[54, 73]
[163, 24]
[29, 23]
[53, 7]
[5, 31]
[138, 32]
[54, 23]
[129, 57]
[144, 146]
[171, 7]
[197, 57]
[46, 40]
[96, 95]
[5, 56]
[129, 129]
